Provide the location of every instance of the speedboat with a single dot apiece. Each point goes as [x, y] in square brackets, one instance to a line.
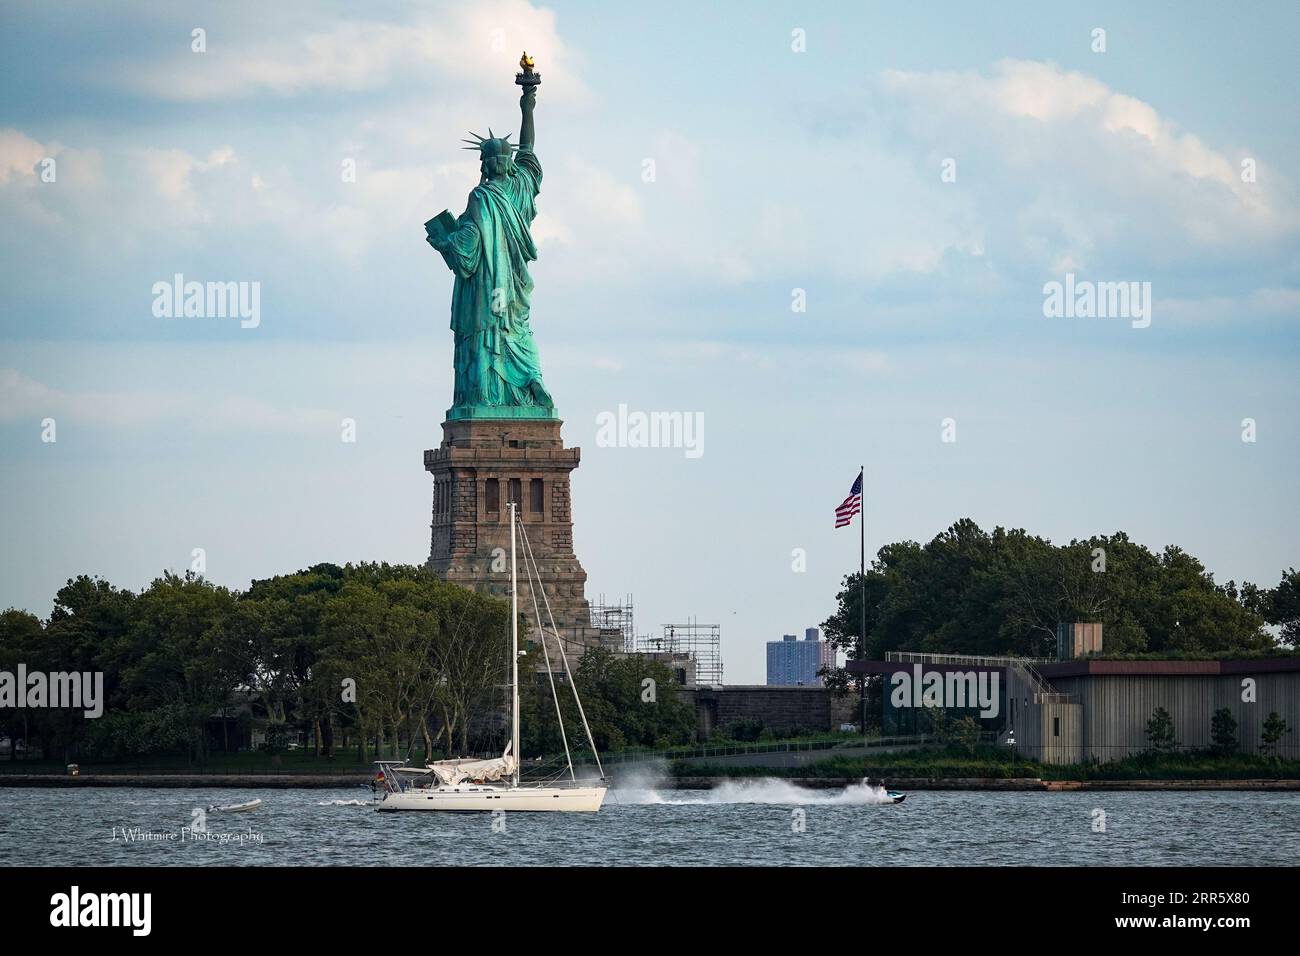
[235, 807]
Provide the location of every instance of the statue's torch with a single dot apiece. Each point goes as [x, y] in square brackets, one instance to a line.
[528, 79]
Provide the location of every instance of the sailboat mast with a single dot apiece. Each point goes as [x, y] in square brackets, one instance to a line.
[514, 649]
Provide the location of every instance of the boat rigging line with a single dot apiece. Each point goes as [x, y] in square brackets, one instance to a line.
[530, 560]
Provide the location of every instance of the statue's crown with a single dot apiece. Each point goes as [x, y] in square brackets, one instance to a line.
[490, 146]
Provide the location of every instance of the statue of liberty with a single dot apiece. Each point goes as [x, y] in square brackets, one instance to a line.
[488, 248]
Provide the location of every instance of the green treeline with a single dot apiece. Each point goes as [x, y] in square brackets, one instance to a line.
[371, 656]
[394, 662]
[971, 591]
[628, 702]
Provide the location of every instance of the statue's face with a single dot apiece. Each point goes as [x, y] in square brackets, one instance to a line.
[496, 166]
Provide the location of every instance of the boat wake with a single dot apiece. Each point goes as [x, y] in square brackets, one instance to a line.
[767, 790]
[343, 803]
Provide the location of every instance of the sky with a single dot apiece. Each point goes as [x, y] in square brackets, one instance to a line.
[825, 231]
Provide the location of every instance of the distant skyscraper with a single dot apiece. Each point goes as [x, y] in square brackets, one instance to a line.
[826, 658]
[791, 662]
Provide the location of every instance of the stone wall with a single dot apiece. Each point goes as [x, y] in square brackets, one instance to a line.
[780, 709]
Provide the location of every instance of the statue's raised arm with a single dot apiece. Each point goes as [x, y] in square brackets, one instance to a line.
[529, 81]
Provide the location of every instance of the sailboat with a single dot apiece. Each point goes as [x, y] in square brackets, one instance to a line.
[494, 784]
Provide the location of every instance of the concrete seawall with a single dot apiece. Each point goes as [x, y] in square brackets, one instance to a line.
[275, 781]
[294, 781]
[994, 783]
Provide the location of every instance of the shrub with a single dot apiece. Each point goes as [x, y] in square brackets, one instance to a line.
[1160, 732]
[1223, 731]
[748, 729]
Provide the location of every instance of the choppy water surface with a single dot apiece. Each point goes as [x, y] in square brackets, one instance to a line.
[760, 822]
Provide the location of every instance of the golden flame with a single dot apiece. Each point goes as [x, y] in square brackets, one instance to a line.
[526, 62]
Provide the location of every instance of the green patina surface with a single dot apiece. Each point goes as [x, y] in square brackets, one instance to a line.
[488, 248]
[460, 412]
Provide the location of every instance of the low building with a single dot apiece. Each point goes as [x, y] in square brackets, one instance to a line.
[1090, 710]
[1104, 706]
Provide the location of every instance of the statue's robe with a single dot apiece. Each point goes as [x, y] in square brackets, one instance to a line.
[496, 359]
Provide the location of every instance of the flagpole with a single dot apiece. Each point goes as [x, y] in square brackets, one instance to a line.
[862, 576]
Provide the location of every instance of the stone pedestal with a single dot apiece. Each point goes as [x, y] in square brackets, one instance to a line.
[480, 466]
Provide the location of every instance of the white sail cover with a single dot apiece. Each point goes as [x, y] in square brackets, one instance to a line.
[454, 771]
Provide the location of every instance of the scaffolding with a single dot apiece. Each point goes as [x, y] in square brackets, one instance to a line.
[615, 621]
[703, 642]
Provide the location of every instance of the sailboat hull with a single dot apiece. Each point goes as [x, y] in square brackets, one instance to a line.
[509, 799]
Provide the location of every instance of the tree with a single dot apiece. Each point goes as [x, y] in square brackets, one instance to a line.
[417, 648]
[629, 701]
[85, 633]
[843, 629]
[422, 655]
[1223, 731]
[1274, 729]
[21, 638]
[179, 661]
[1004, 592]
[280, 622]
[1160, 732]
[355, 625]
[472, 653]
[1282, 607]
[966, 733]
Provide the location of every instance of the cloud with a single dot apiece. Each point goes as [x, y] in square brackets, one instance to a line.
[459, 43]
[171, 172]
[123, 190]
[190, 192]
[25, 194]
[19, 156]
[1071, 174]
[1046, 93]
[24, 398]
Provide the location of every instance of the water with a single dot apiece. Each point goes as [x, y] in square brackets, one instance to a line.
[737, 824]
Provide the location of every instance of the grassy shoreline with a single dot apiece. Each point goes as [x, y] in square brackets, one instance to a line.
[359, 783]
[950, 763]
[988, 763]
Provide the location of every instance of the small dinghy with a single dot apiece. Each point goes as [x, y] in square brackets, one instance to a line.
[236, 807]
[895, 796]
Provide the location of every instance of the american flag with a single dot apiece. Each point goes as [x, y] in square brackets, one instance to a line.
[852, 504]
